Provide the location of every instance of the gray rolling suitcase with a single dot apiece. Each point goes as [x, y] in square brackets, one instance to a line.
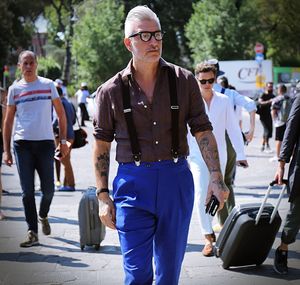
[249, 233]
[91, 230]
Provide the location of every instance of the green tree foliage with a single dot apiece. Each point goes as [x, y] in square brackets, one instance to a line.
[98, 42]
[62, 17]
[229, 29]
[49, 68]
[280, 29]
[223, 29]
[16, 26]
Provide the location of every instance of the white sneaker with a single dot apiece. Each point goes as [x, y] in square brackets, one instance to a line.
[273, 159]
[268, 150]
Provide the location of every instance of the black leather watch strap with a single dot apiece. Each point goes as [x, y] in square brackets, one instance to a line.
[102, 190]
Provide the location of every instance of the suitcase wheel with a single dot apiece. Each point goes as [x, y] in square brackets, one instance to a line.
[97, 246]
[82, 247]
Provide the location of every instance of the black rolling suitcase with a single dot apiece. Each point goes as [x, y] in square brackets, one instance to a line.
[249, 233]
[91, 230]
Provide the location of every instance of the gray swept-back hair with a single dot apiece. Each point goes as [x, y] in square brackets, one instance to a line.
[139, 13]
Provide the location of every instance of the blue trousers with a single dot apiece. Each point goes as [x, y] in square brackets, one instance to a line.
[39, 156]
[154, 203]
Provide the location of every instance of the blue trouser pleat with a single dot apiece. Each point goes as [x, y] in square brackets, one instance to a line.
[154, 204]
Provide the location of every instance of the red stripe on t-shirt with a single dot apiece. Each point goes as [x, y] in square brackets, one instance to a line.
[32, 93]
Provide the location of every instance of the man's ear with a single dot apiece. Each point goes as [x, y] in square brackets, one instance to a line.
[127, 43]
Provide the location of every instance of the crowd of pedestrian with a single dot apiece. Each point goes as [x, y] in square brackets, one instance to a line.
[148, 108]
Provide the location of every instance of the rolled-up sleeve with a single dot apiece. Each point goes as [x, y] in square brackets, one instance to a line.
[198, 119]
[103, 119]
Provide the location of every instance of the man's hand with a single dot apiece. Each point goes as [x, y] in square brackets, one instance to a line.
[280, 173]
[218, 188]
[249, 136]
[7, 157]
[64, 149]
[107, 211]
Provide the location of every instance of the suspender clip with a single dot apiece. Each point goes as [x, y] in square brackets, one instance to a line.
[175, 156]
[175, 107]
[137, 159]
[127, 110]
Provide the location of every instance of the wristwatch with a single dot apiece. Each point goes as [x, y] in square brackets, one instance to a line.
[63, 141]
[102, 190]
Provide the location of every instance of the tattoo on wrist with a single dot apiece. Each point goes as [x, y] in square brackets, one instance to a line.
[102, 164]
[220, 183]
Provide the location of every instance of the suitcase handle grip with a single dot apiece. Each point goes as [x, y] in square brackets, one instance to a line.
[275, 182]
[265, 200]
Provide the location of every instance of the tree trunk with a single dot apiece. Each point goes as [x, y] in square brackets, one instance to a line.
[68, 57]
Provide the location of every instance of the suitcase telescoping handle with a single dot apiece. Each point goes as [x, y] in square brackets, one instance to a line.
[265, 200]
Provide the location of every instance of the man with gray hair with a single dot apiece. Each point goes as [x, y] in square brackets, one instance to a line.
[146, 108]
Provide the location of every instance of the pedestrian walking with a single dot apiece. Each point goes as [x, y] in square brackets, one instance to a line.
[280, 109]
[265, 117]
[81, 95]
[249, 105]
[221, 115]
[29, 104]
[290, 148]
[146, 108]
[69, 179]
[2, 108]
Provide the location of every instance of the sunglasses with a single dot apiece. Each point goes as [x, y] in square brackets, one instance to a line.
[204, 81]
[146, 36]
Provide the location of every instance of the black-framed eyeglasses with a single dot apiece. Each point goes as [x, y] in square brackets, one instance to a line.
[204, 81]
[146, 36]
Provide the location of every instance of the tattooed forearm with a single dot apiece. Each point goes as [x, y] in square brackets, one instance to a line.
[208, 147]
[220, 184]
[102, 164]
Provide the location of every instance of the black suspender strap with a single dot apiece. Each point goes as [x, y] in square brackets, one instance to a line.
[135, 147]
[174, 113]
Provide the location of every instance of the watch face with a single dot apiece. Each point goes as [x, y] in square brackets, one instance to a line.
[63, 141]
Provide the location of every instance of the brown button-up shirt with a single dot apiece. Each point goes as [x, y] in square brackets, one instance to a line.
[152, 121]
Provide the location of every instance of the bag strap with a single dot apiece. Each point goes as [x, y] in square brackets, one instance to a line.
[135, 147]
[174, 113]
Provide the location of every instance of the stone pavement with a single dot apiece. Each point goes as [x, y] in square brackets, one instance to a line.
[59, 260]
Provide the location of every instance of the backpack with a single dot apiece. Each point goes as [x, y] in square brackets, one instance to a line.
[285, 109]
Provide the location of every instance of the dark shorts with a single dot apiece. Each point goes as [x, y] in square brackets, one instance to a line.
[279, 133]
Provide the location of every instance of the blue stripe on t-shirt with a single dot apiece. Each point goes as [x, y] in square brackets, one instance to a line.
[36, 98]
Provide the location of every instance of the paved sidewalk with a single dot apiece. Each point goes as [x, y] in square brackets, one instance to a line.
[59, 259]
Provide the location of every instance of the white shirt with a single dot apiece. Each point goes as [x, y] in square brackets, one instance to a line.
[236, 98]
[222, 118]
[82, 95]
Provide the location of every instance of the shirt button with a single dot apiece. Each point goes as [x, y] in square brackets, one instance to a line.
[154, 123]
[156, 142]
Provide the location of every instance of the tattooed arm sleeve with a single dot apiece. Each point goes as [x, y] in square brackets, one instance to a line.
[208, 147]
[101, 163]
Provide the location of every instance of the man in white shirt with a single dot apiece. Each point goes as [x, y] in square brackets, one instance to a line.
[222, 118]
[82, 94]
[236, 99]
